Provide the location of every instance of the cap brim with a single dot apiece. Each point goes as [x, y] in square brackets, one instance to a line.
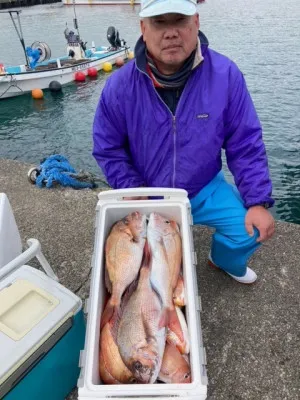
[164, 7]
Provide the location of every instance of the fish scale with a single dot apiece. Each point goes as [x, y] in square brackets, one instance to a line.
[123, 256]
[141, 344]
[165, 244]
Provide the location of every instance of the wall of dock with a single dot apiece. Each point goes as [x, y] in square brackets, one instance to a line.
[5, 4]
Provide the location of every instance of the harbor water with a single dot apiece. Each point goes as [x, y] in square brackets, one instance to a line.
[262, 37]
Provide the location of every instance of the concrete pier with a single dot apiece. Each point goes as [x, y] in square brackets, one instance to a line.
[251, 333]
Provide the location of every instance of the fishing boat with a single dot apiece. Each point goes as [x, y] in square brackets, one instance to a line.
[40, 70]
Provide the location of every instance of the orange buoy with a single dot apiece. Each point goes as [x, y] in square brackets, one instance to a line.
[79, 76]
[37, 93]
[119, 62]
[92, 72]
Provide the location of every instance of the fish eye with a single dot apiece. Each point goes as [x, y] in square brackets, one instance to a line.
[167, 221]
[138, 366]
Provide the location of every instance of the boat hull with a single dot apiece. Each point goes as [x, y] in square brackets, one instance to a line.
[12, 85]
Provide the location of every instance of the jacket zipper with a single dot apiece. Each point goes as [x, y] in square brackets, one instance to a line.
[173, 121]
[174, 145]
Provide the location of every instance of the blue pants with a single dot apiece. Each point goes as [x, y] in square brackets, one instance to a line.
[218, 205]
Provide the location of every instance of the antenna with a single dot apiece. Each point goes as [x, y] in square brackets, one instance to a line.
[75, 19]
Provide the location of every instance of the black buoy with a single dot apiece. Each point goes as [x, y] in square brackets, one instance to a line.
[55, 86]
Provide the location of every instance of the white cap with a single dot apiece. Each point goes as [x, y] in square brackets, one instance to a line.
[150, 8]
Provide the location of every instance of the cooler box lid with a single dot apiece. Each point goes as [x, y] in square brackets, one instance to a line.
[32, 308]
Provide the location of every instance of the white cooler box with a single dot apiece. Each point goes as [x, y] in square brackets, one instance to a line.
[110, 208]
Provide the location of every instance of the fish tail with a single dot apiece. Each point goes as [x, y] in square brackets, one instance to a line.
[147, 255]
[145, 269]
[174, 324]
[110, 314]
[182, 347]
[178, 301]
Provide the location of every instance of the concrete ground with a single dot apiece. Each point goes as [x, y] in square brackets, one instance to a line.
[251, 333]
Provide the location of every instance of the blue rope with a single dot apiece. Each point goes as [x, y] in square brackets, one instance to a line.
[56, 169]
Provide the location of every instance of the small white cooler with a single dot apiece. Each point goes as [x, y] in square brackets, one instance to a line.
[41, 322]
[110, 208]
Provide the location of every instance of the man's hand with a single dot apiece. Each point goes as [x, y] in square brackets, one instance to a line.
[260, 218]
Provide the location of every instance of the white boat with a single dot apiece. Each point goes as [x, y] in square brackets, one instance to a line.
[40, 70]
[16, 81]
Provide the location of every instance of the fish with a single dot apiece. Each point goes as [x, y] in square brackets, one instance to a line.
[141, 343]
[174, 334]
[164, 241]
[178, 294]
[105, 375]
[111, 366]
[174, 367]
[124, 249]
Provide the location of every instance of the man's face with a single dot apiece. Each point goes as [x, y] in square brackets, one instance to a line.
[170, 38]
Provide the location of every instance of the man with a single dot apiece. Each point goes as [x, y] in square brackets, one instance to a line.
[163, 119]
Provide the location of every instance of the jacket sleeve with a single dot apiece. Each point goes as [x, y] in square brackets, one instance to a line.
[110, 138]
[244, 147]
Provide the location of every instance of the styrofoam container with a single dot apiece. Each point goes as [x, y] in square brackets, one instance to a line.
[110, 208]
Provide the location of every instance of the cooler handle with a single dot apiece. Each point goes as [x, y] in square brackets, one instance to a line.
[119, 194]
[34, 250]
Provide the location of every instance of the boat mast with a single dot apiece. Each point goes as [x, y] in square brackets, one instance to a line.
[75, 20]
[19, 31]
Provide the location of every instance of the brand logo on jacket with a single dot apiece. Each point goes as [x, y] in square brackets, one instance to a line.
[202, 116]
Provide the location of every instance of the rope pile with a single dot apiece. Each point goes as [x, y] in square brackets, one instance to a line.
[56, 169]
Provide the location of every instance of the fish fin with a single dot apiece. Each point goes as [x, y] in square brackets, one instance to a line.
[147, 256]
[110, 314]
[178, 301]
[175, 226]
[164, 319]
[131, 288]
[156, 291]
[119, 310]
[178, 293]
[115, 322]
[108, 283]
[165, 254]
[174, 324]
[145, 268]
[175, 342]
[148, 331]
[147, 250]
[129, 234]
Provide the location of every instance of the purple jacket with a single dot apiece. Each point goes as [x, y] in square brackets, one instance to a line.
[139, 142]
